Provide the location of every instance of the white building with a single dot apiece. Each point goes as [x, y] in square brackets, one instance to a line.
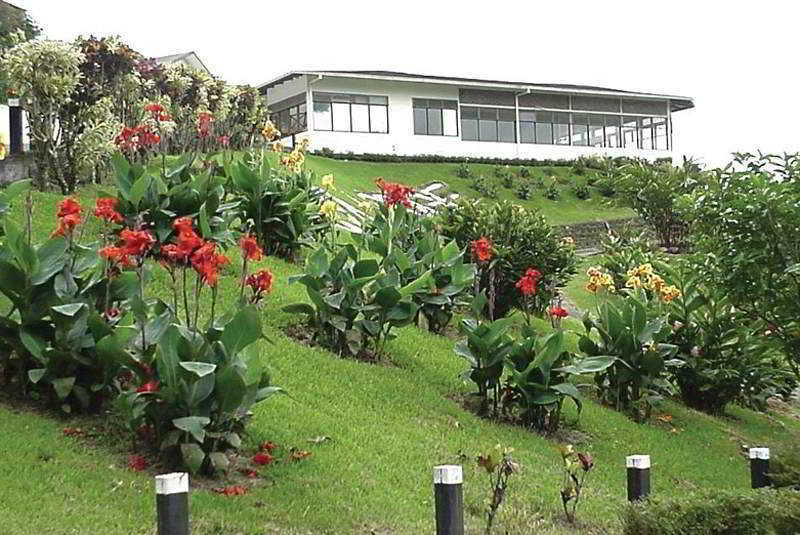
[408, 114]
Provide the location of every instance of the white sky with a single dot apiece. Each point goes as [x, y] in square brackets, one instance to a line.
[738, 60]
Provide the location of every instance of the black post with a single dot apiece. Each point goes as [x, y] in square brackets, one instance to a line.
[638, 476]
[759, 468]
[15, 126]
[449, 498]
[172, 503]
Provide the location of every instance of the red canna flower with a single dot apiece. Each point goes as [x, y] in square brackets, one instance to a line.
[232, 490]
[116, 255]
[136, 242]
[105, 208]
[529, 282]
[188, 242]
[260, 282]
[482, 249]
[206, 261]
[148, 388]
[69, 216]
[394, 193]
[158, 112]
[138, 137]
[263, 459]
[203, 123]
[137, 463]
[558, 312]
[586, 461]
[250, 248]
[224, 140]
[112, 314]
[248, 472]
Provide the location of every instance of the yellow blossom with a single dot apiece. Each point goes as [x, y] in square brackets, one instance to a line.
[327, 182]
[634, 282]
[277, 146]
[270, 132]
[328, 209]
[567, 240]
[668, 293]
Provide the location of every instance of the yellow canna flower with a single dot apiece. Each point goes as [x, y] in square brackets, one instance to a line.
[270, 132]
[327, 182]
[328, 209]
[634, 282]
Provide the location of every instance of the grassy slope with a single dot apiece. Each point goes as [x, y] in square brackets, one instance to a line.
[389, 425]
[360, 176]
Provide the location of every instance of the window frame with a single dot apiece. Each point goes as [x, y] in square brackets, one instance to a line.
[352, 99]
[415, 105]
[480, 119]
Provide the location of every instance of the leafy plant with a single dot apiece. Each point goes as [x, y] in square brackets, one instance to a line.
[538, 379]
[521, 238]
[498, 469]
[524, 172]
[525, 191]
[576, 469]
[552, 192]
[625, 250]
[485, 187]
[463, 171]
[581, 191]
[508, 180]
[633, 334]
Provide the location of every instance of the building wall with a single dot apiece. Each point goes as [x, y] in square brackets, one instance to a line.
[5, 130]
[401, 139]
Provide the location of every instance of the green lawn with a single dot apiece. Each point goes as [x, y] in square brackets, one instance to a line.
[352, 176]
[389, 425]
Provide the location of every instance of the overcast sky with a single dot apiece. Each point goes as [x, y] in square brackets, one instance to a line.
[739, 60]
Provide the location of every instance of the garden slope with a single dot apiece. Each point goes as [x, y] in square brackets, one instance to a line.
[389, 425]
[352, 176]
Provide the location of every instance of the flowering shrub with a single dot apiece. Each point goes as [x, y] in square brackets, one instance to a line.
[633, 332]
[577, 466]
[521, 238]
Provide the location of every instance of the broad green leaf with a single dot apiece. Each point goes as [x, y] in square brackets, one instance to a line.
[36, 374]
[200, 369]
[193, 457]
[194, 425]
[63, 386]
[70, 309]
[242, 330]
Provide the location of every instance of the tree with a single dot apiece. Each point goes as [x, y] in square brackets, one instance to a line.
[15, 26]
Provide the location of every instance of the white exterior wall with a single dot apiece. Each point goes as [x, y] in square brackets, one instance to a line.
[401, 139]
[5, 129]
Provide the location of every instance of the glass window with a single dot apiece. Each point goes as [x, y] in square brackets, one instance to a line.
[612, 131]
[526, 132]
[646, 133]
[506, 126]
[379, 119]
[450, 122]
[629, 135]
[488, 130]
[341, 117]
[360, 115]
[322, 116]
[596, 124]
[660, 128]
[435, 121]
[420, 121]
[580, 129]
[544, 133]
[435, 117]
[469, 124]
[561, 128]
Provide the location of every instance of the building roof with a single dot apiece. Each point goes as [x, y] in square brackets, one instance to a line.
[190, 58]
[677, 102]
[9, 4]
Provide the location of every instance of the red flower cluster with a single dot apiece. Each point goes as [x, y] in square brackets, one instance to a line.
[136, 242]
[116, 255]
[69, 215]
[158, 112]
[394, 193]
[137, 463]
[263, 459]
[232, 490]
[105, 208]
[260, 282]
[529, 282]
[558, 312]
[299, 455]
[194, 250]
[268, 446]
[137, 137]
[148, 388]
[250, 248]
[482, 249]
[224, 140]
[248, 472]
[73, 432]
[203, 123]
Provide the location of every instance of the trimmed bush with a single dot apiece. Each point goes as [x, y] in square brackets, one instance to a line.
[716, 512]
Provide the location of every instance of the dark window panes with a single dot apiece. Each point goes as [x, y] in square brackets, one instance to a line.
[561, 134]
[301, 108]
[597, 120]
[506, 131]
[419, 103]
[580, 118]
[544, 117]
[488, 113]
[360, 99]
[469, 129]
[507, 115]
[379, 100]
[526, 132]
[341, 98]
[434, 103]
[527, 116]
[322, 97]
[449, 104]
[544, 133]
[435, 121]
[469, 113]
[420, 121]
[580, 135]
[488, 130]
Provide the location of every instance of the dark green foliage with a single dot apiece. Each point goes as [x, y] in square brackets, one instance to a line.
[552, 192]
[508, 180]
[499, 171]
[463, 171]
[716, 512]
[11, 20]
[436, 158]
[581, 191]
[524, 172]
[522, 239]
[485, 187]
[525, 191]
[784, 465]
[626, 250]
[746, 216]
